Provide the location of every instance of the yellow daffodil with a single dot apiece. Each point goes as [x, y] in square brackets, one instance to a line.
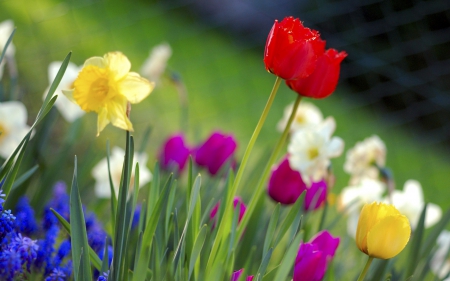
[382, 231]
[105, 85]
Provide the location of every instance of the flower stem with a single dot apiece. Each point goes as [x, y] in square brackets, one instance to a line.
[366, 268]
[259, 188]
[241, 169]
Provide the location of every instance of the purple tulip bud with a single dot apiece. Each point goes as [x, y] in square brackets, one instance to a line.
[236, 201]
[313, 257]
[215, 152]
[285, 184]
[174, 153]
[315, 196]
[235, 276]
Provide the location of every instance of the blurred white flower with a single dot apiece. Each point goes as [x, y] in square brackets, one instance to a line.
[13, 126]
[307, 115]
[155, 65]
[6, 28]
[352, 198]
[100, 172]
[310, 150]
[69, 110]
[439, 263]
[410, 203]
[362, 160]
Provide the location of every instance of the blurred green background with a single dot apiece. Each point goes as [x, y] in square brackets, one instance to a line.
[225, 78]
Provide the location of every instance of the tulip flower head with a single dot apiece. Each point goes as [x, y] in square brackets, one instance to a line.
[285, 184]
[174, 153]
[215, 152]
[237, 200]
[382, 231]
[323, 81]
[237, 274]
[106, 86]
[292, 50]
[313, 257]
[315, 196]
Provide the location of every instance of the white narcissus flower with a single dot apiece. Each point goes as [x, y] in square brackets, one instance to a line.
[362, 160]
[13, 126]
[310, 150]
[6, 28]
[307, 115]
[367, 191]
[410, 203]
[101, 176]
[155, 65]
[69, 110]
[439, 263]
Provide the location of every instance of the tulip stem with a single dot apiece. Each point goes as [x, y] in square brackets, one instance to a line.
[366, 268]
[242, 166]
[259, 188]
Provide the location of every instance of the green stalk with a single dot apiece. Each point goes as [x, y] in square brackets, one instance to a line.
[259, 189]
[366, 268]
[241, 169]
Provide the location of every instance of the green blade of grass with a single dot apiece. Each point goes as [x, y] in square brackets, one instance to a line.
[288, 260]
[112, 189]
[79, 242]
[96, 262]
[271, 229]
[2, 55]
[198, 245]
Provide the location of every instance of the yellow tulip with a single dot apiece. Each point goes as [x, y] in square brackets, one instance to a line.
[105, 85]
[382, 231]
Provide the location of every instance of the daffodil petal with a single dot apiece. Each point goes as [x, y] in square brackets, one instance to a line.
[117, 114]
[135, 88]
[118, 64]
[69, 95]
[388, 237]
[327, 127]
[433, 215]
[95, 61]
[335, 147]
[102, 120]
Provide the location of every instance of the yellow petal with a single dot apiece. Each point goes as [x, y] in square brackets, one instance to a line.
[370, 216]
[117, 114]
[118, 64]
[388, 237]
[135, 88]
[102, 120]
[95, 61]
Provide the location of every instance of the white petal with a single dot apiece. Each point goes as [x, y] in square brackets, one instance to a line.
[327, 127]
[13, 114]
[335, 147]
[433, 215]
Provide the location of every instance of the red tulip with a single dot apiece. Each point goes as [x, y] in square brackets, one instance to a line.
[292, 49]
[322, 82]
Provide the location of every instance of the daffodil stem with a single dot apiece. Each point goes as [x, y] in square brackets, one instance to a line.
[242, 166]
[259, 188]
[366, 268]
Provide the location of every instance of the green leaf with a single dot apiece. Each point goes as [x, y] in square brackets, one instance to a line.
[271, 229]
[105, 261]
[263, 266]
[96, 262]
[415, 243]
[25, 176]
[112, 189]
[79, 242]
[140, 271]
[12, 173]
[288, 260]
[198, 245]
[289, 219]
[2, 54]
[121, 229]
